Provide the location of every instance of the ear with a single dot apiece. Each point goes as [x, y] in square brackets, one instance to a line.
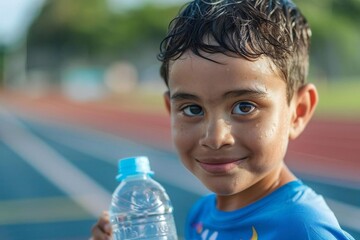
[167, 101]
[304, 103]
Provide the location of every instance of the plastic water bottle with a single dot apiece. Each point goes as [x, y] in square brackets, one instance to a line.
[140, 207]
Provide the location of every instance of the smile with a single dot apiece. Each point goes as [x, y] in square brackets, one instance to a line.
[220, 167]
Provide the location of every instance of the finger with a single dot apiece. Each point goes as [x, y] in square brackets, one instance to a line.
[102, 228]
[104, 223]
[99, 234]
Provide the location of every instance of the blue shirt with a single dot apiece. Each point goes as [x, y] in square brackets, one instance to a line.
[292, 212]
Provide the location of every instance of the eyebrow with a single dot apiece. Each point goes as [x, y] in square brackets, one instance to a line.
[248, 92]
[183, 96]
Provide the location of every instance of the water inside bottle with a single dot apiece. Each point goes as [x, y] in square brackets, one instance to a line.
[142, 210]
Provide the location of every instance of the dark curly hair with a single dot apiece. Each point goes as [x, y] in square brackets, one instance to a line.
[247, 28]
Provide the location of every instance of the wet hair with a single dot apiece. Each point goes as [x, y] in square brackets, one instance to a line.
[250, 29]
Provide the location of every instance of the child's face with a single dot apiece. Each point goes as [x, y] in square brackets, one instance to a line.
[230, 121]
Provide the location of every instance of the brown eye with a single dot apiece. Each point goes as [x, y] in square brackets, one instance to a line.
[243, 108]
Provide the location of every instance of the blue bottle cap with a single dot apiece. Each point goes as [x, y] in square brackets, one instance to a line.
[133, 166]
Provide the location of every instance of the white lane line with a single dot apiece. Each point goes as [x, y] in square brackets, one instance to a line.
[81, 188]
[168, 170]
[346, 214]
[107, 147]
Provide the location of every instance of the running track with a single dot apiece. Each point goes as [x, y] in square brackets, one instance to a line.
[327, 152]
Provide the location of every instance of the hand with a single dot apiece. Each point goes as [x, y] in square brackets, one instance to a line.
[102, 228]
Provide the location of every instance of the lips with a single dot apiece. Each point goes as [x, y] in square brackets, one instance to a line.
[220, 166]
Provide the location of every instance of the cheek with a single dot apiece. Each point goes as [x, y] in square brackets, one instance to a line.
[267, 143]
[184, 140]
[271, 133]
[273, 140]
[183, 136]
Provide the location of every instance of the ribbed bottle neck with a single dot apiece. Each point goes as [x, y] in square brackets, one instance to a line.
[137, 176]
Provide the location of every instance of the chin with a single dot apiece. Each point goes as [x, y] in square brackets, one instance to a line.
[222, 186]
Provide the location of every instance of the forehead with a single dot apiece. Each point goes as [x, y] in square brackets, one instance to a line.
[191, 70]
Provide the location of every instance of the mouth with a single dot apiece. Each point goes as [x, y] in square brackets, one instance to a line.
[219, 166]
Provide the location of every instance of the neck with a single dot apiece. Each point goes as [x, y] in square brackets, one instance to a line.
[260, 189]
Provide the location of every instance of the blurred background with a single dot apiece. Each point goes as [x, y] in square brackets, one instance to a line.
[80, 88]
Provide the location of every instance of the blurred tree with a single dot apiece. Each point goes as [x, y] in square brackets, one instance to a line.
[88, 31]
[335, 37]
[1, 66]
[90, 26]
[87, 28]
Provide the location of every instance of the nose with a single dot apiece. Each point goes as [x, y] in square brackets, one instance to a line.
[217, 134]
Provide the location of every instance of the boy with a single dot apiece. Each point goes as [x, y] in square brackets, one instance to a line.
[236, 73]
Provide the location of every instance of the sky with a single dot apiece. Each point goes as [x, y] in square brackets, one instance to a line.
[16, 16]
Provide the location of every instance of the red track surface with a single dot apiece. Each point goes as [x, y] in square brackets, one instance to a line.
[329, 149]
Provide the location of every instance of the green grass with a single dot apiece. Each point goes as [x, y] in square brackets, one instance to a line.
[339, 99]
